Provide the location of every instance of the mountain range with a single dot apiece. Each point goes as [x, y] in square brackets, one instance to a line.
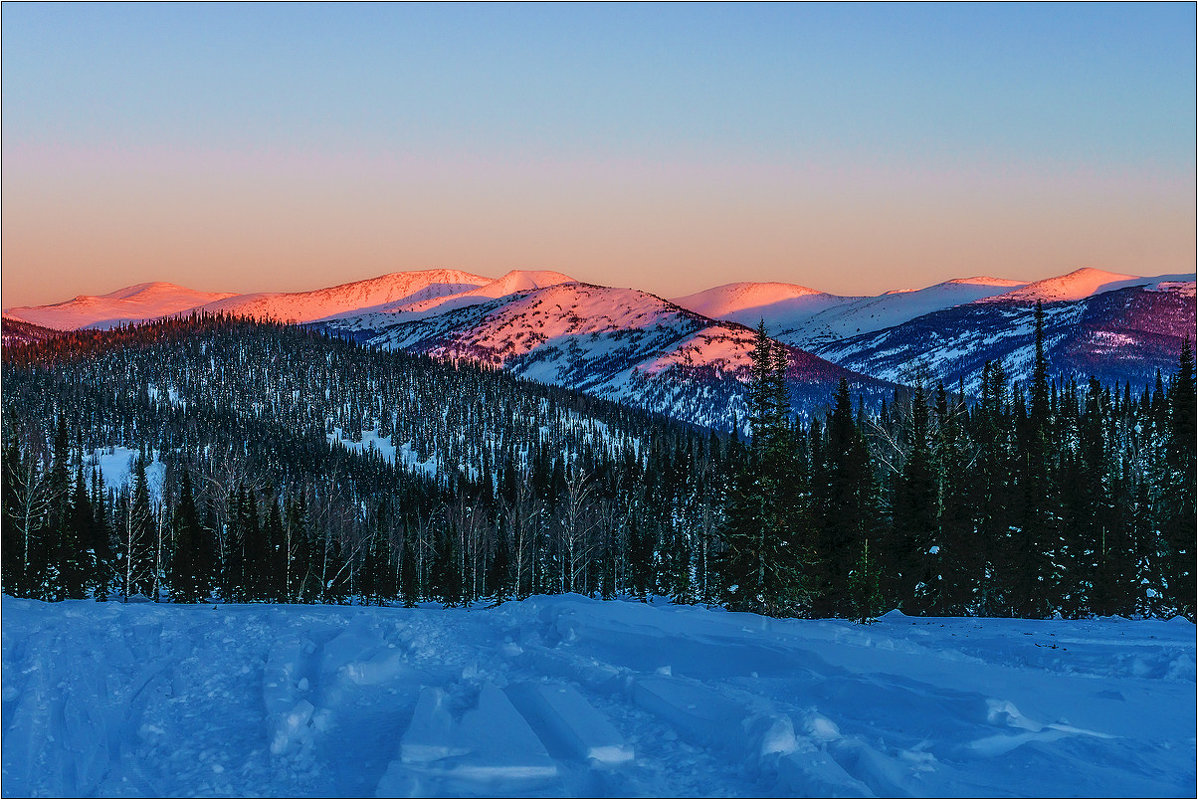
[688, 357]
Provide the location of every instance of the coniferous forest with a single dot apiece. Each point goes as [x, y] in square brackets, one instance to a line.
[272, 463]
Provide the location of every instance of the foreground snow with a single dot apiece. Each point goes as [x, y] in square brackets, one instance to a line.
[567, 696]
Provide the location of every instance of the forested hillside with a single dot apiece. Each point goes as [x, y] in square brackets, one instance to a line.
[296, 467]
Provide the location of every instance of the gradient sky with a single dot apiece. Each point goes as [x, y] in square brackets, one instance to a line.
[853, 148]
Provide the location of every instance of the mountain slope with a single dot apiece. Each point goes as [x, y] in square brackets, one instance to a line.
[512, 282]
[620, 344]
[355, 297]
[15, 332]
[806, 318]
[144, 301]
[1076, 285]
[1121, 335]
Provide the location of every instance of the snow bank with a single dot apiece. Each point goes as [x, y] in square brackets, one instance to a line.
[567, 696]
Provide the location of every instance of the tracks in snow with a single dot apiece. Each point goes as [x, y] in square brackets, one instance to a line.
[547, 697]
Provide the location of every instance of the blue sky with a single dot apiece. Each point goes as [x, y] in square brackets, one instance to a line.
[950, 94]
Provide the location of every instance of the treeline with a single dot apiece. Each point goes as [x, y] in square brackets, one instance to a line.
[1033, 500]
[320, 471]
[258, 477]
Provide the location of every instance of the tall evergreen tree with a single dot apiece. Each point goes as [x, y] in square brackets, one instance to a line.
[846, 498]
[912, 584]
[764, 555]
[190, 575]
[1179, 507]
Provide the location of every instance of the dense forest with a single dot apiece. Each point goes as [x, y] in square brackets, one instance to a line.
[277, 464]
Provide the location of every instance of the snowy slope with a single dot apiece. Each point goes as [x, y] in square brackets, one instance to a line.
[1076, 285]
[356, 297]
[567, 696]
[747, 302]
[418, 293]
[131, 304]
[405, 310]
[806, 318]
[1124, 334]
[620, 344]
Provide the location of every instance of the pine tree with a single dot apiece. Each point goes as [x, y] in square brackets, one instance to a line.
[1036, 575]
[961, 556]
[499, 572]
[845, 495]
[762, 563]
[447, 576]
[274, 555]
[76, 560]
[191, 568]
[409, 577]
[136, 541]
[912, 584]
[864, 590]
[1179, 513]
[101, 543]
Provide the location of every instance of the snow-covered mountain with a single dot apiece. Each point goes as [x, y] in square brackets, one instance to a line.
[807, 318]
[144, 301]
[1077, 285]
[407, 309]
[621, 344]
[395, 289]
[1121, 334]
[417, 293]
[687, 357]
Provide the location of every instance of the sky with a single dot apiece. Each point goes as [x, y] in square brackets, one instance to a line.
[851, 148]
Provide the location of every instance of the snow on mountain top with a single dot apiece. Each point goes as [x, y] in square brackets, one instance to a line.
[408, 309]
[807, 318]
[521, 699]
[722, 302]
[357, 296]
[986, 280]
[1075, 285]
[571, 309]
[520, 280]
[151, 289]
[142, 301]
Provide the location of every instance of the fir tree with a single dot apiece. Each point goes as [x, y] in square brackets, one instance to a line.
[864, 590]
[191, 568]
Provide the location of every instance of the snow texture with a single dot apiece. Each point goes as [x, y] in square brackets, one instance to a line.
[567, 696]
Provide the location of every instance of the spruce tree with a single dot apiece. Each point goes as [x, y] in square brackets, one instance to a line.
[499, 571]
[864, 590]
[76, 560]
[762, 564]
[912, 584]
[1036, 578]
[191, 568]
[846, 499]
[1180, 517]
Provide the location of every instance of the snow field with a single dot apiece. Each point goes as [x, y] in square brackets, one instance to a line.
[567, 696]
